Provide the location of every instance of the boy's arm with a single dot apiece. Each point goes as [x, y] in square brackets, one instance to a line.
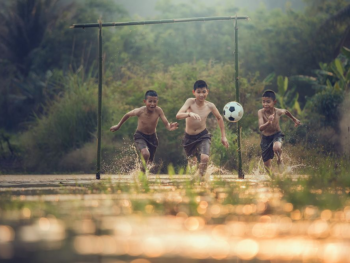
[295, 120]
[124, 118]
[170, 126]
[263, 125]
[220, 120]
[182, 114]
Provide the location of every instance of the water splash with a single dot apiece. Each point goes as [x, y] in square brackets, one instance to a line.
[124, 161]
[127, 161]
[289, 166]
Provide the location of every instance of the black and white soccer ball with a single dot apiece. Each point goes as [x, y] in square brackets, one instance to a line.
[233, 111]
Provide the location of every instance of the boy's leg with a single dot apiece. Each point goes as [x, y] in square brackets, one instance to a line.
[145, 154]
[144, 159]
[267, 165]
[141, 146]
[152, 152]
[203, 164]
[267, 152]
[277, 149]
[205, 151]
[192, 160]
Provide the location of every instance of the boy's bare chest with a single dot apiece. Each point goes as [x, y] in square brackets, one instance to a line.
[202, 111]
[275, 123]
[148, 117]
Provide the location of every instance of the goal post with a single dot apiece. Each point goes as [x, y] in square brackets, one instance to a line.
[100, 25]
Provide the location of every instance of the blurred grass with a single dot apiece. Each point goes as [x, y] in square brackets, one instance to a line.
[68, 124]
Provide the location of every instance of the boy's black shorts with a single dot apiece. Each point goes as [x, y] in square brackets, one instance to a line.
[146, 141]
[197, 144]
[267, 144]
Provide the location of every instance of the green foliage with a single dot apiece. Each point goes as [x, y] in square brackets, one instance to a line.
[334, 75]
[70, 118]
[25, 24]
[281, 43]
[287, 98]
[167, 58]
[326, 104]
[36, 41]
[332, 85]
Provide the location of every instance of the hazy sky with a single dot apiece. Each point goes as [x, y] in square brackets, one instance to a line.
[146, 8]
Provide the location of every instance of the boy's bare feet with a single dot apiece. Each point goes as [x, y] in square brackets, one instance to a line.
[280, 164]
[279, 161]
[202, 169]
[196, 176]
[142, 168]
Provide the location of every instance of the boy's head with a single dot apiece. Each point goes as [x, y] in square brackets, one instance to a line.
[151, 93]
[269, 99]
[200, 84]
[200, 90]
[151, 99]
[269, 94]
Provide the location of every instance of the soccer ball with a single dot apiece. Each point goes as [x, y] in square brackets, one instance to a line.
[233, 111]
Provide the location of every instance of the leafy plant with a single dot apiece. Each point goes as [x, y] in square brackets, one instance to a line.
[335, 75]
[287, 98]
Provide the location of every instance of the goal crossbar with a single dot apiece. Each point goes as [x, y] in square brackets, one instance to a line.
[163, 21]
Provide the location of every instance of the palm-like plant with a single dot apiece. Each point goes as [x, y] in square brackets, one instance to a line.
[333, 33]
[334, 75]
[287, 97]
[331, 84]
[23, 26]
[341, 18]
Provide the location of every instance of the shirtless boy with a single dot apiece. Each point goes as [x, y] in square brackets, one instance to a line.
[145, 137]
[197, 139]
[272, 137]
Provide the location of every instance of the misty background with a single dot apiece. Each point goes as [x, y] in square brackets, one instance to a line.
[148, 8]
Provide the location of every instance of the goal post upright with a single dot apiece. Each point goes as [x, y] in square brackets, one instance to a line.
[99, 113]
[100, 25]
[240, 169]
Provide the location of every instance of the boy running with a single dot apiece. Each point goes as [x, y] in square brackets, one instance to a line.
[145, 137]
[272, 137]
[197, 139]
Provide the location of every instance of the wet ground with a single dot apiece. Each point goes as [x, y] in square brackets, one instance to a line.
[165, 218]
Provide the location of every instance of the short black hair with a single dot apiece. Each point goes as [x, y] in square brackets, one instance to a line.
[269, 94]
[200, 84]
[150, 93]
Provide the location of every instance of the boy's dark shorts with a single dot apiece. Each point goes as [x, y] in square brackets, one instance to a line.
[267, 144]
[146, 141]
[198, 144]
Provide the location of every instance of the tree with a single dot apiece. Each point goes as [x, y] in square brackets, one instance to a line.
[35, 39]
[25, 23]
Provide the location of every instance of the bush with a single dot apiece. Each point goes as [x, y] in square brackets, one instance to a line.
[326, 104]
[69, 122]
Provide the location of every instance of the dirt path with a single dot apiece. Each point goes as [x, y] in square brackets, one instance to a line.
[66, 179]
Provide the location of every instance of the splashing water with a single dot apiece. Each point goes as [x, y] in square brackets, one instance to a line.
[288, 167]
[215, 170]
[126, 161]
[260, 169]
